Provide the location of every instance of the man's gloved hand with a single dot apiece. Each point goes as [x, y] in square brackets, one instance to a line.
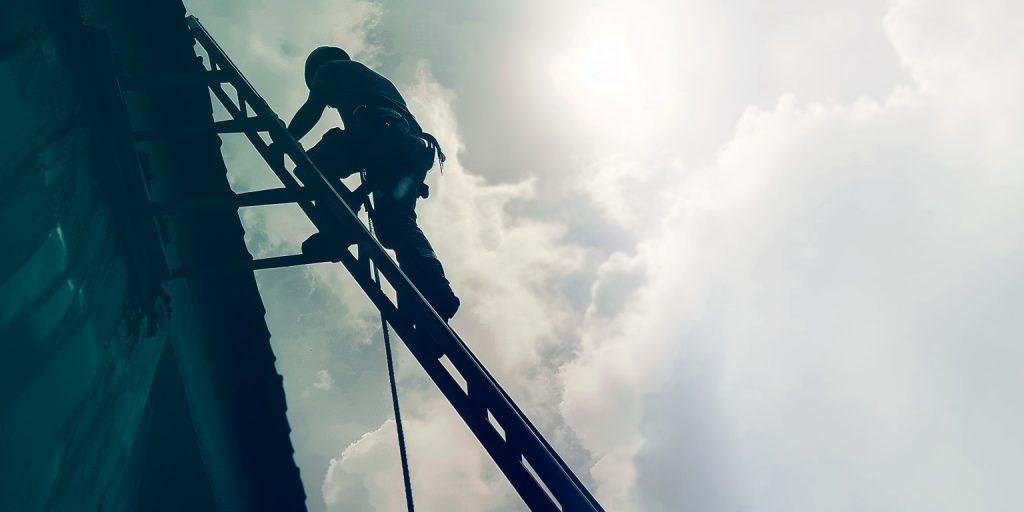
[276, 153]
[304, 174]
[354, 200]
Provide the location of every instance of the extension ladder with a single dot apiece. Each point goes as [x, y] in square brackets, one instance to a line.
[538, 474]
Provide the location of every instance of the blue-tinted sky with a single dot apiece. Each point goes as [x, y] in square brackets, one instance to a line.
[728, 255]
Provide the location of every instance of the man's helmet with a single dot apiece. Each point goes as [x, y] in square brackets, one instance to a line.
[319, 57]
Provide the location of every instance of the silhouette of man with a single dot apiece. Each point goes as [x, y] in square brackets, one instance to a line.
[383, 138]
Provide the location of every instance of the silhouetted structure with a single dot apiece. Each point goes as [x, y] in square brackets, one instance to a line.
[137, 379]
[534, 469]
[384, 140]
[118, 392]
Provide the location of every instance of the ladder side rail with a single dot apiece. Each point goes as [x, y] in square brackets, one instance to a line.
[306, 194]
[303, 200]
[322, 187]
[220, 57]
[509, 415]
[545, 464]
[561, 485]
[462, 358]
[548, 466]
[565, 467]
[507, 461]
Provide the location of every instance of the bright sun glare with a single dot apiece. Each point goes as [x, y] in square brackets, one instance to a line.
[607, 68]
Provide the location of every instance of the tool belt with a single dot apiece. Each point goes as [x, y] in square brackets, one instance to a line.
[386, 142]
[391, 123]
[394, 146]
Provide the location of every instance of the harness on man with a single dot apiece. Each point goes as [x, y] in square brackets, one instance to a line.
[389, 127]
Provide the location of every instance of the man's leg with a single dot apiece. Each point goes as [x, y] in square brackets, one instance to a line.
[337, 158]
[394, 219]
[336, 154]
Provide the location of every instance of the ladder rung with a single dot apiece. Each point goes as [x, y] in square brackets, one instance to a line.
[291, 260]
[175, 80]
[234, 201]
[249, 124]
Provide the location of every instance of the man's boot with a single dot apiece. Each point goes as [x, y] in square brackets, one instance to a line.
[428, 276]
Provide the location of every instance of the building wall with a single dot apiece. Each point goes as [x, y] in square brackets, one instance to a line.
[84, 313]
[81, 327]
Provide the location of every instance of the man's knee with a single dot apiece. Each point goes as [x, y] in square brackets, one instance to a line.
[427, 273]
[335, 155]
[403, 237]
[395, 224]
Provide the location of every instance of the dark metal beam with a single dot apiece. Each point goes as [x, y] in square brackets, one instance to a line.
[235, 201]
[291, 260]
[175, 80]
[243, 125]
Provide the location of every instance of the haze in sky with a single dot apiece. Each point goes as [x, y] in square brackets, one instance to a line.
[727, 255]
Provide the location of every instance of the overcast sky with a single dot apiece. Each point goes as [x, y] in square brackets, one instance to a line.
[728, 256]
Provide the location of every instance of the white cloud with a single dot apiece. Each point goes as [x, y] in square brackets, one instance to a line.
[834, 286]
[323, 380]
[819, 315]
[445, 474]
[966, 58]
[370, 462]
[501, 265]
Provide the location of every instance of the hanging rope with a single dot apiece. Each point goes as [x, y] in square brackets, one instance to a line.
[391, 373]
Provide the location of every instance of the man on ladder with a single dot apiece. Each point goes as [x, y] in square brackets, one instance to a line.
[382, 138]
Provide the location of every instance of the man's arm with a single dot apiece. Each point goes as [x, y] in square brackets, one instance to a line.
[307, 115]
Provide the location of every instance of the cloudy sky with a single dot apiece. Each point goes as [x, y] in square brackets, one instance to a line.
[728, 256]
